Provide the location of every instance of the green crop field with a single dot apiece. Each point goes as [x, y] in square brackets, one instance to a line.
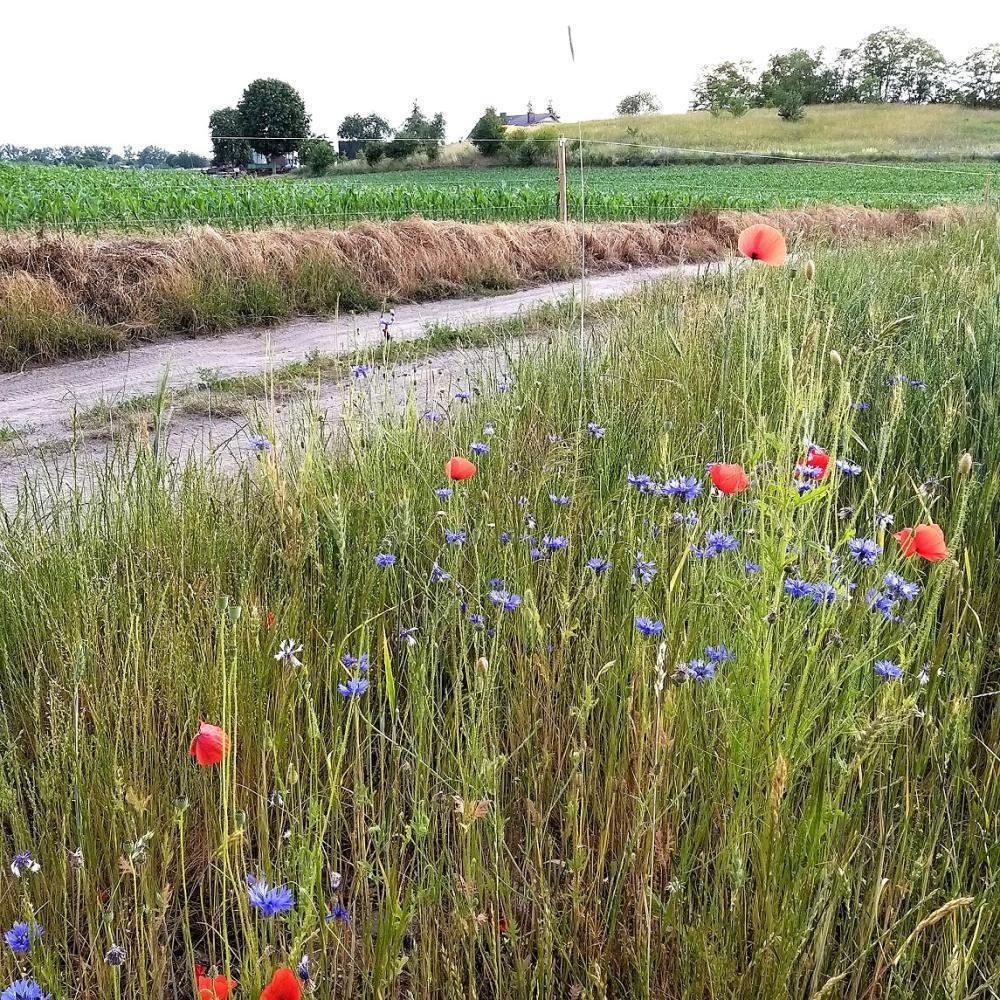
[91, 200]
[577, 726]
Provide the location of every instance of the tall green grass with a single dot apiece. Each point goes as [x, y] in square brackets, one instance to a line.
[540, 810]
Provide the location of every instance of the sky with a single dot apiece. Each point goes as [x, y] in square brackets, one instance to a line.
[121, 72]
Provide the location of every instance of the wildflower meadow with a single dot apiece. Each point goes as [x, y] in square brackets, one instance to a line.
[661, 664]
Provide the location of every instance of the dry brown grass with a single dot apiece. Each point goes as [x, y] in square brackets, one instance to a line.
[70, 295]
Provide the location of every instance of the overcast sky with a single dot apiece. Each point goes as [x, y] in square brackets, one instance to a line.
[116, 72]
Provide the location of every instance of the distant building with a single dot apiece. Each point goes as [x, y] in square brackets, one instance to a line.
[286, 161]
[529, 118]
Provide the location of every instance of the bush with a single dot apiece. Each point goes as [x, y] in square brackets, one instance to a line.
[374, 152]
[318, 155]
[791, 107]
[487, 133]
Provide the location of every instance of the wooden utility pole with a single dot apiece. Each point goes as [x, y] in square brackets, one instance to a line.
[561, 165]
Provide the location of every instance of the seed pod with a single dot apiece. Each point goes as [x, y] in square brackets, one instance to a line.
[965, 464]
[809, 270]
[482, 665]
[836, 358]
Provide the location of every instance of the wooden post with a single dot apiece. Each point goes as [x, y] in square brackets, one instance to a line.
[561, 164]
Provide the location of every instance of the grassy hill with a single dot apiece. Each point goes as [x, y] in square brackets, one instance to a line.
[897, 130]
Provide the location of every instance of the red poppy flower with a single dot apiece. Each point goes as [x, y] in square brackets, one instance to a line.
[815, 458]
[925, 540]
[283, 986]
[728, 478]
[502, 925]
[213, 987]
[763, 243]
[459, 468]
[269, 620]
[210, 745]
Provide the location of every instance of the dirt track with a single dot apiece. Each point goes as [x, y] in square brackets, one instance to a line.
[37, 406]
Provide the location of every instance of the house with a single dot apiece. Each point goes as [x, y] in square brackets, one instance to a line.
[529, 118]
[279, 164]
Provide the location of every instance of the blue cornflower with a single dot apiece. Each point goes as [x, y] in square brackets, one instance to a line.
[888, 670]
[258, 443]
[823, 592]
[20, 936]
[560, 500]
[885, 604]
[505, 599]
[906, 590]
[596, 429]
[751, 567]
[685, 487]
[354, 687]
[361, 371]
[504, 538]
[648, 627]
[303, 969]
[409, 635]
[444, 492]
[477, 621]
[918, 383]
[883, 519]
[639, 480]
[488, 429]
[643, 570]
[479, 447]
[454, 537]
[432, 415]
[848, 468]
[385, 559]
[796, 587]
[690, 519]
[864, 550]
[701, 671]
[25, 989]
[462, 396]
[115, 956]
[598, 565]
[719, 654]
[719, 541]
[361, 662]
[24, 863]
[496, 583]
[537, 554]
[555, 542]
[339, 913]
[861, 406]
[439, 575]
[806, 471]
[271, 900]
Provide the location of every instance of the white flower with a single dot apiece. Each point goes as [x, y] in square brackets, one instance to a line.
[286, 652]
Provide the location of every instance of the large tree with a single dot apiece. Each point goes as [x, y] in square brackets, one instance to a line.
[272, 116]
[642, 102]
[365, 128]
[979, 85]
[797, 73]
[726, 87]
[228, 151]
[894, 66]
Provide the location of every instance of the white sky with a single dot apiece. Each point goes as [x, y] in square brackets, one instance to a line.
[115, 72]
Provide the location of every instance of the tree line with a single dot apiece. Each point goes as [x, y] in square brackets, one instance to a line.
[890, 65]
[271, 120]
[101, 156]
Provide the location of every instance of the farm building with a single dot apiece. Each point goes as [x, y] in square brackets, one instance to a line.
[529, 118]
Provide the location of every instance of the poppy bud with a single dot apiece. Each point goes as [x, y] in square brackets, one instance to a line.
[482, 665]
[809, 270]
[965, 464]
[210, 745]
[836, 358]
